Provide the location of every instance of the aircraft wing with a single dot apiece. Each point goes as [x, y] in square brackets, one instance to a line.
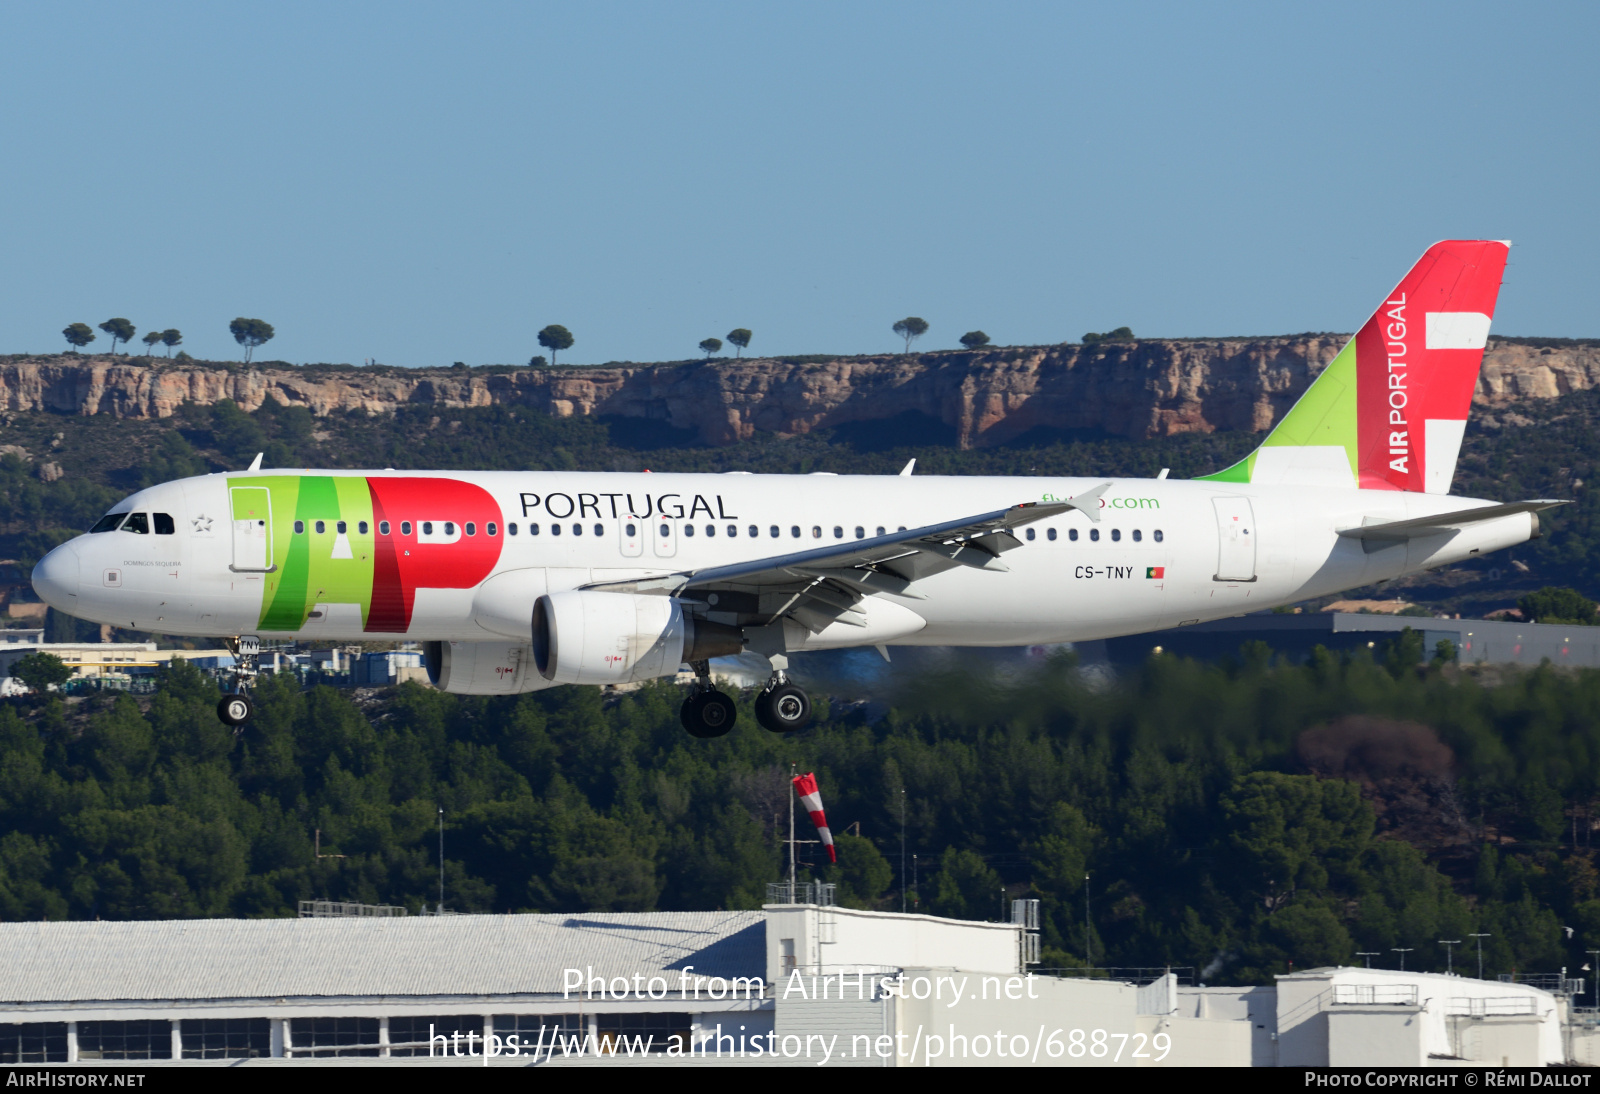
[823, 585]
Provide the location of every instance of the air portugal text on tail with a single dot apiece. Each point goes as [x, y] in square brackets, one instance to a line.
[514, 581]
[1389, 412]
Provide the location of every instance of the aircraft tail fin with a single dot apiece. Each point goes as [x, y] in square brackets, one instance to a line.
[1390, 410]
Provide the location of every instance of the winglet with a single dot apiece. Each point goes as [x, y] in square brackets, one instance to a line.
[255, 464]
[905, 472]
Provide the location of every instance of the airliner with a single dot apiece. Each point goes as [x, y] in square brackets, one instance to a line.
[514, 581]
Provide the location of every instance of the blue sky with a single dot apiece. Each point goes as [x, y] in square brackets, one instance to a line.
[427, 183]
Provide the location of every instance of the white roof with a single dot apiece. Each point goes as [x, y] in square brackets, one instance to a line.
[423, 956]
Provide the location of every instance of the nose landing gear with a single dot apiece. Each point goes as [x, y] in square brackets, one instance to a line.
[236, 708]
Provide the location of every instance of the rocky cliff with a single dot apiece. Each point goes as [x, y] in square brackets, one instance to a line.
[1143, 389]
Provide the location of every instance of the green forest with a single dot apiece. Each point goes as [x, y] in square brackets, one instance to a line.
[1242, 818]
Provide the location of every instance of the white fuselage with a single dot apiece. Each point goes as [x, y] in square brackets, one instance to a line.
[1163, 553]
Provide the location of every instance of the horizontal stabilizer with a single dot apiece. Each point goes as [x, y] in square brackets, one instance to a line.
[1381, 533]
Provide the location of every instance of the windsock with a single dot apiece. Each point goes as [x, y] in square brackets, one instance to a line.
[810, 797]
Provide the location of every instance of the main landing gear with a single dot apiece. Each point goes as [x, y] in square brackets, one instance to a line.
[783, 707]
[236, 708]
[707, 712]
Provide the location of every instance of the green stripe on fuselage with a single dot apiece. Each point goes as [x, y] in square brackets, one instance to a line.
[308, 572]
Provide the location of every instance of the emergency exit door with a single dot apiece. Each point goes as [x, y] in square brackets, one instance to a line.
[1236, 535]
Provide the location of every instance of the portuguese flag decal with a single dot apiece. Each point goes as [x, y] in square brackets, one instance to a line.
[1155, 571]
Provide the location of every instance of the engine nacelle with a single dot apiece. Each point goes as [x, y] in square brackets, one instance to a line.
[588, 637]
[482, 668]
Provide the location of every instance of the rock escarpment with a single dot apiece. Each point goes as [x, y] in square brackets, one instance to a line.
[1150, 388]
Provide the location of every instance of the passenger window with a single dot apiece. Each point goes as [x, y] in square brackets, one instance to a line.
[794, 531]
[902, 528]
[511, 529]
[774, 531]
[861, 533]
[107, 523]
[449, 527]
[492, 528]
[733, 531]
[577, 529]
[472, 529]
[838, 532]
[666, 530]
[405, 528]
[711, 530]
[1137, 535]
[427, 527]
[299, 527]
[880, 529]
[164, 525]
[555, 529]
[1116, 535]
[321, 527]
[361, 527]
[1050, 534]
[630, 530]
[1072, 534]
[816, 531]
[383, 527]
[1030, 535]
[341, 528]
[1157, 534]
[688, 530]
[599, 529]
[1094, 535]
[533, 528]
[755, 531]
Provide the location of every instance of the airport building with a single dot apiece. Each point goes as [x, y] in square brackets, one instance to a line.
[796, 983]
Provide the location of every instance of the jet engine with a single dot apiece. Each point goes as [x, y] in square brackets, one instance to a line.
[482, 668]
[584, 636]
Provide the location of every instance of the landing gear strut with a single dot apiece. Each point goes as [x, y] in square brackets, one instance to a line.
[707, 712]
[782, 707]
[236, 708]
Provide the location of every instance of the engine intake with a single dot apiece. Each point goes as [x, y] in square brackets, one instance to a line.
[587, 637]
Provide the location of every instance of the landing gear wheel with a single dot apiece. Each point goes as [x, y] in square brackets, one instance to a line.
[783, 708]
[708, 714]
[235, 710]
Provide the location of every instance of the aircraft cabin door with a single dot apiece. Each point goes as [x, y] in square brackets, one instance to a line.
[1236, 533]
[664, 534]
[252, 529]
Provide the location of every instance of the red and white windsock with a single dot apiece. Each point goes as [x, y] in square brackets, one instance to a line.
[811, 798]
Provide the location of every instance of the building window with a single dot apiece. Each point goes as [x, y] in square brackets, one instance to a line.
[226, 1038]
[657, 1030]
[334, 1036]
[164, 524]
[34, 1042]
[529, 1029]
[411, 1034]
[786, 955]
[139, 1040]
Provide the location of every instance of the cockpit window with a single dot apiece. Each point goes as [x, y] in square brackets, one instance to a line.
[138, 523]
[107, 523]
[164, 525]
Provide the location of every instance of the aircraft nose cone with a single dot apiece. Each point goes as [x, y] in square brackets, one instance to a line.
[55, 579]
